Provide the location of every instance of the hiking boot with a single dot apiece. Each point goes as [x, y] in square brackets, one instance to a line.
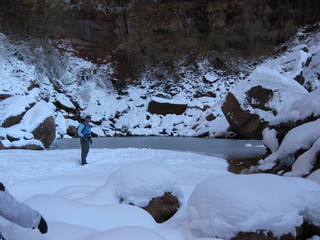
[83, 163]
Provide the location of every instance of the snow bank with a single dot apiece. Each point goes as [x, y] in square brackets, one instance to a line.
[226, 205]
[102, 218]
[140, 233]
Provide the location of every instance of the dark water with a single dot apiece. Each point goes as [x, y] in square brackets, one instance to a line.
[225, 148]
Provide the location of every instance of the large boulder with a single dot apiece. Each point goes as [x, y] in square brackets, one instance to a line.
[39, 121]
[147, 186]
[45, 132]
[254, 206]
[165, 106]
[245, 124]
[251, 104]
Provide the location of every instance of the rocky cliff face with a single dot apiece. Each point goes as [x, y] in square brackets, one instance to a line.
[133, 33]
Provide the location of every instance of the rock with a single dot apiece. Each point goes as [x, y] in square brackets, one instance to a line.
[210, 117]
[262, 235]
[164, 108]
[9, 122]
[259, 97]
[244, 123]
[12, 138]
[310, 230]
[46, 131]
[33, 84]
[305, 231]
[14, 113]
[4, 96]
[163, 208]
[71, 131]
[1, 146]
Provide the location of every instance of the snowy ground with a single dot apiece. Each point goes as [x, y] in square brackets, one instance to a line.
[80, 203]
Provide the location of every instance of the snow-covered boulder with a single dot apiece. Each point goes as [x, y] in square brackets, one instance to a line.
[252, 103]
[33, 144]
[144, 185]
[293, 138]
[242, 122]
[39, 120]
[231, 206]
[13, 109]
[148, 186]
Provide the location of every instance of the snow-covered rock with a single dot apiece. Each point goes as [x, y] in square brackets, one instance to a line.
[244, 123]
[13, 109]
[293, 138]
[148, 186]
[39, 120]
[227, 205]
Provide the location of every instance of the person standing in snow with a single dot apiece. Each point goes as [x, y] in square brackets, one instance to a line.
[19, 213]
[84, 132]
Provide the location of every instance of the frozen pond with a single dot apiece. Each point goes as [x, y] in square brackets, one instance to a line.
[224, 148]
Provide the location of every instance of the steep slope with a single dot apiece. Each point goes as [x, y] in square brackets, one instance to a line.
[73, 87]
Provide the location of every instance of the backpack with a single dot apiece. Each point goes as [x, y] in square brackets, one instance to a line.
[78, 129]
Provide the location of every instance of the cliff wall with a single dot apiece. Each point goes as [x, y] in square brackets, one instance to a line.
[132, 33]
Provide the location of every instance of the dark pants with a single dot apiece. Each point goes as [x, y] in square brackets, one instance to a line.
[84, 149]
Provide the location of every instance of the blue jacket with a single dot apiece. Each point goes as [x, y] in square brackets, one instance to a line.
[84, 130]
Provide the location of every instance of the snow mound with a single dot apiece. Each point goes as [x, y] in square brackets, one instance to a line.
[140, 183]
[226, 205]
[102, 218]
[140, 233]
[315, 176]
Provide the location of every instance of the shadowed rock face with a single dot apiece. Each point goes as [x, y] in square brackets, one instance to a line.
[46, 132]
[244, 123]
[163, 208]
[166, 108]
[126, 32]
[1, 146]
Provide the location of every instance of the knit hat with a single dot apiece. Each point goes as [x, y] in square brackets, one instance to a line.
[88, 116]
